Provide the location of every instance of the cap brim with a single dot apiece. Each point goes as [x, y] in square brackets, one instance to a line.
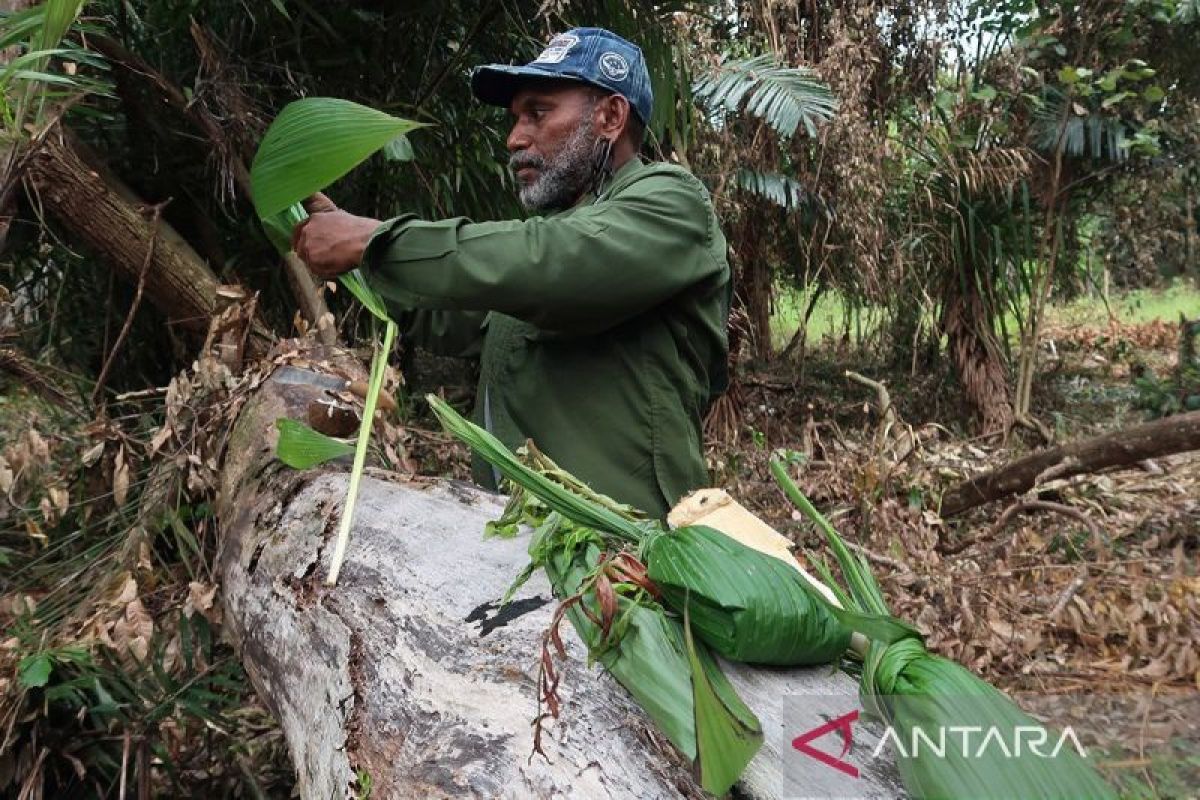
[497, 84]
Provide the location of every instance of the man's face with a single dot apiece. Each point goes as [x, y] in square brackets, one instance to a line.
[552, 142]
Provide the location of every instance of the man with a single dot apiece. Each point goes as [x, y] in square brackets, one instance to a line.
[602, 318]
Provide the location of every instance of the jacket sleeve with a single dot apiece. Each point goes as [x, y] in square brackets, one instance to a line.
[576, 273]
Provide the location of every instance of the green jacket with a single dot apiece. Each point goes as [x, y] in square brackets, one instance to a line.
[603, 326]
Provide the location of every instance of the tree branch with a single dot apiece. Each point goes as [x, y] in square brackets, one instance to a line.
[300, 280]
[1176, 434]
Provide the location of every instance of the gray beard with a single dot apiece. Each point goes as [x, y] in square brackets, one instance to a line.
[563, 179]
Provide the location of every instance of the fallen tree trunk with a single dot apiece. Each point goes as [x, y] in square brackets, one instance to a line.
[407, 672]
[1162, 437]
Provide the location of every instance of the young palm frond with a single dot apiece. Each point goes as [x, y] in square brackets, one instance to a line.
[783, 97]
[1092, 134]
[779, 189]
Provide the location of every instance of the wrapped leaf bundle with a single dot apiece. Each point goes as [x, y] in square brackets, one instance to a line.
[922, 695]
[746, 605]
[915, 690]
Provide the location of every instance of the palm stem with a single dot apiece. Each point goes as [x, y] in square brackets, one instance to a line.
[378, 368]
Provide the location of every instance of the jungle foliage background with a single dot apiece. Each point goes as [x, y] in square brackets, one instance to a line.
[959, 200]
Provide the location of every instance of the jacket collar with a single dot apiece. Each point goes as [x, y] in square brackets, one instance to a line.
[620, 179]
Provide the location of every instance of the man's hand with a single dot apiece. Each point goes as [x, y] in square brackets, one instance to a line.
[331, 241]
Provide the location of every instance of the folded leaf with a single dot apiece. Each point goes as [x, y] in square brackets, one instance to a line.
[745, 604]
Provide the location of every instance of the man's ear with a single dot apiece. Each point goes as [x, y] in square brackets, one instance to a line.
[612, 116]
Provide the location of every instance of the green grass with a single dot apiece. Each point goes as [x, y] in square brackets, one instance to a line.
[828, 317]
[1136, 306]
[1139, 305]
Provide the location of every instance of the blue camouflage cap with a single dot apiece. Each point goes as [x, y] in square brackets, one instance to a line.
[589, 55]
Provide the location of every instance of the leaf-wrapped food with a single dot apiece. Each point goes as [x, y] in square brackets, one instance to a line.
[918, 692]
[746, 605]
[915, 690]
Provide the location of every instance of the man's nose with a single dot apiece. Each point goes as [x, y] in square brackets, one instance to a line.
[518, 139]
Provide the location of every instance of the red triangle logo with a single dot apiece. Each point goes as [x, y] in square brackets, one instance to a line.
[842, 725]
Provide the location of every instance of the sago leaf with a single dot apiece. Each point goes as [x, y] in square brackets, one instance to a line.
[279, 226]
[371, 299]
[727, 732]
[312, 143]
[57, 20]
[378, 371]
[300, 447]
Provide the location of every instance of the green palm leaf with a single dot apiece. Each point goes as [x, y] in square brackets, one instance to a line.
[59, 15]
[311, 144]
[39, 32]
[783, 97]
[1092, 134]
[727, 732]
[557, 498]
[676, 680]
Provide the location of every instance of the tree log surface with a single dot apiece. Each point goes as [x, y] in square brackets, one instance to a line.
[1176, 434]
[404, 670]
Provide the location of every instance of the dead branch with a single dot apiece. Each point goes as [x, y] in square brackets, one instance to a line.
[1023, 506]
[884, 400]
[1126, 447]
[76, 187]
[892, 431]
[1036, 425]
[32, 376]
[879, 558]
[1020, 507]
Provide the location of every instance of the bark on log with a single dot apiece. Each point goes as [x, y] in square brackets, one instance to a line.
[1161, 437]
[406, 671]
[106, 215]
